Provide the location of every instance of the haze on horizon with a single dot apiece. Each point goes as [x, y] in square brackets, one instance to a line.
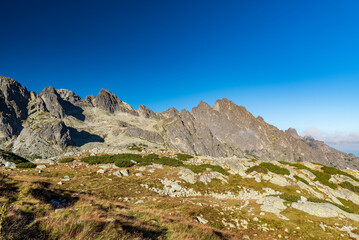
[295, 63]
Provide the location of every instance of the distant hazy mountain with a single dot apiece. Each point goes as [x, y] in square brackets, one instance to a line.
[57, 121]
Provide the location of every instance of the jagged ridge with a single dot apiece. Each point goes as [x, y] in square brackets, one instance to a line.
[57, 121]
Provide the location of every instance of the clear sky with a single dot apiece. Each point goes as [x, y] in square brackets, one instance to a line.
[295, 63]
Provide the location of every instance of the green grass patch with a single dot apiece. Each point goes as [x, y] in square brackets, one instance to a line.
[322, 177]
[66, 160]
[26, 165]
[301, 179]
[203, 167]
[334, 171]
[257, 168]
[124, 163]
[349, 186]
[318, 200]
[104, 159]
[289, 197]
[154, 158]
[297, 165]
[274, 168]
[183, 157]
[12, 157]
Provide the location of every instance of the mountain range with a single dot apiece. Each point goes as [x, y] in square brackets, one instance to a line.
[58, 122]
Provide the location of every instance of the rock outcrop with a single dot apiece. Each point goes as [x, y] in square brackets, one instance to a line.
[111, 103]
[14, 99]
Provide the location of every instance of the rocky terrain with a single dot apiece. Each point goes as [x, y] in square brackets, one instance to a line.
[55, 122]
[96, 168]
[166, 195]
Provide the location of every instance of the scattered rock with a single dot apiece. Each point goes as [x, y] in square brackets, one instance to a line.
[41, 166]
[125, 172]
[202, 220]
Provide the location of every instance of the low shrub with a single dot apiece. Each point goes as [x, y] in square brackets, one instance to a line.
[183, 157]
[12, 157]
[297, 165]
[274, 168]
[124, 163]
[318, 200]
[26, 165]
[301, 179]
[203, 167]
[103, 159]
[290, 198]
[169, 162]
[323, 178]
[66, 160]
[334, 171]
[258, 169]
[349, 186]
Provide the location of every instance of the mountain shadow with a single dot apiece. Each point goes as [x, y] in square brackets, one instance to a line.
[81, 138]
[73, 110]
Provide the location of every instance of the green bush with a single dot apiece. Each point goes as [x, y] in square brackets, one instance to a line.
[103, 159]
[349, 186]
[289, 197]
[124, 163]
[297, 165]
[258, 169]
[274, 168]
[154, 158]
[169, 162]
[301, 179]
[203, 167]
[66, 160]
[26, 165]
[12, 157]
[318, 200]
[334, 171]
[323, 178]
[183, 157]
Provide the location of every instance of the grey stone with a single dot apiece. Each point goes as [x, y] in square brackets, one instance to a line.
[124, 172]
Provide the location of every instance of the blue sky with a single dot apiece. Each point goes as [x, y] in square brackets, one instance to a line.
[295, 63]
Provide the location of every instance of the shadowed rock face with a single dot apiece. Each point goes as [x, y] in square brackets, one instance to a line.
[55, 119]
[14, 99]
[111, 103]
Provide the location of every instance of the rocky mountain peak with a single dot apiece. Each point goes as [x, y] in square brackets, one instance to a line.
[14, 99]
[69, 96]
[53, 102]
[108, 101]
[292, 132]
[145, 112]
[171, 112]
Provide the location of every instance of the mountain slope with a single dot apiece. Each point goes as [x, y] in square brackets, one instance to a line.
[56, 122]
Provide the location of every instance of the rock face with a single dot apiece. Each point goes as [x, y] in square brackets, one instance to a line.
[14, 99]
[53, 102]
[105, 121]
[69, 96]
[43, 138]
[111, 103]
[186, 134]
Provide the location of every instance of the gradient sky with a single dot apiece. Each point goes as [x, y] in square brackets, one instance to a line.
[295, 63]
